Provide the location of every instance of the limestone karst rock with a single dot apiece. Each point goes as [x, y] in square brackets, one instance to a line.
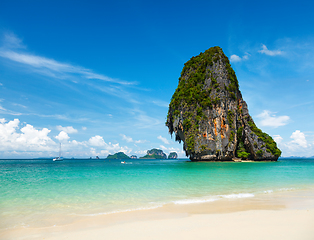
[155, 154]
[173, 155]
[208, 114]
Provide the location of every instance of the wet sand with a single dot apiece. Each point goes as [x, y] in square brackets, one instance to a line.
[287, 215]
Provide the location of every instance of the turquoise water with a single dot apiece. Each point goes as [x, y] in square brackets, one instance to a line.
[35, 191]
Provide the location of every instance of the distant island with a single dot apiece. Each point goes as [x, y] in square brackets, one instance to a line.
[119, 155]
[154, 154]
[173, 155]
[151, 154]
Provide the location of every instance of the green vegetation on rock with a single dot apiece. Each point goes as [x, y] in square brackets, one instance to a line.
[271, 145]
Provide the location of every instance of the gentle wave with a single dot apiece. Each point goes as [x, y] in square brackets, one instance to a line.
[213, 198]
[119, 211]
[286, 189]
[268, 191]
[190, 201]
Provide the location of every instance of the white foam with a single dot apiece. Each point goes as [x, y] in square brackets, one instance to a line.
[213, 198]
[286, 189]
[268, 191]
[239, 195]
[189, 201]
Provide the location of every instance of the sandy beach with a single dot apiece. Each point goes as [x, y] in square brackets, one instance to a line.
[286, 215]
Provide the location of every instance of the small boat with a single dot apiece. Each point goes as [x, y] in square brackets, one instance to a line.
[58, 158]
[122, 161]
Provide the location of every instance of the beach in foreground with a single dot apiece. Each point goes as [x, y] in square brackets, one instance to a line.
[285, 215]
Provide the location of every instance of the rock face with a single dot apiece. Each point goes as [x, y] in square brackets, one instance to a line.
[208, 114]
[173, 155]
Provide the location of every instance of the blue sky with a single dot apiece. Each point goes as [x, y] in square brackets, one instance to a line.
[98, 76]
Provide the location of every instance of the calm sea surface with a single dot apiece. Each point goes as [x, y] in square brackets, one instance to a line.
[37, 191]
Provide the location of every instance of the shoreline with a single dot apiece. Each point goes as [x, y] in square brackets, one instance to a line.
[287, 214]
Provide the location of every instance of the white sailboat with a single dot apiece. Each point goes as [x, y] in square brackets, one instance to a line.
[59, 158]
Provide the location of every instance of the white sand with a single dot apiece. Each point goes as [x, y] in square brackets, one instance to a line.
[286, 216]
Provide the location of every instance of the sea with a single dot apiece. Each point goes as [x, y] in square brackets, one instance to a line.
[44, 193]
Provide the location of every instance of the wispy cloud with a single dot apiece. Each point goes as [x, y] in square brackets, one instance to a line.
[164, 140]
[268, 52]
[129, 139]
[270, 120]
[10, 40]
[9, 112]
[160, 103]
[119, 92]
[51, 67]
[11, 49]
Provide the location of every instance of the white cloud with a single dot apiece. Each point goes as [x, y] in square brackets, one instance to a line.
[266, 51]
[84, 128]
[235, 58]
[298, 145]
[62, 136]
[110, 149]
[277, 139]
[299, 138]
[74, 142]
[97, 141]
[164, 140]
[272, 120]
[68, 129]
[27, 138]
